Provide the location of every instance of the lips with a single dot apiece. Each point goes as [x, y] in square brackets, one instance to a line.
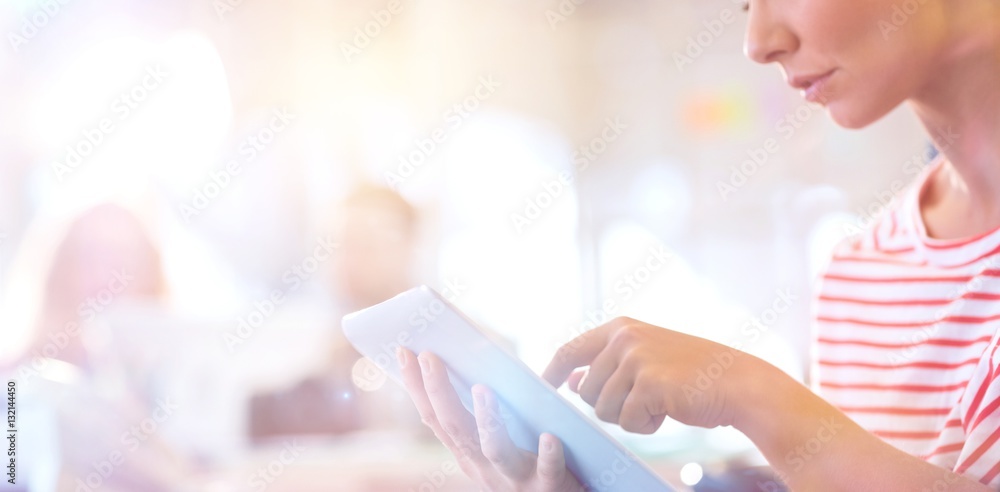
[812, 85]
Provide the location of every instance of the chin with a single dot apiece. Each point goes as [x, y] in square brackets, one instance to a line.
[852, 117]
[857, 109]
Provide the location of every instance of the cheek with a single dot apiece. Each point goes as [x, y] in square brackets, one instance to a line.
[845, 34]
[879, 68]
[893, 71]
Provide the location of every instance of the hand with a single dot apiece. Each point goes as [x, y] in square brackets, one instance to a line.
[639, 374]
[481, 444]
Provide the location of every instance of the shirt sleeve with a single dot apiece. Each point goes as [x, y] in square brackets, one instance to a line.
[980, 406]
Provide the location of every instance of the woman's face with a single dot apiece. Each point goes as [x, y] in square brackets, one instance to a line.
[859, 58]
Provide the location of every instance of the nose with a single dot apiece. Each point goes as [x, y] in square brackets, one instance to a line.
[768, 38]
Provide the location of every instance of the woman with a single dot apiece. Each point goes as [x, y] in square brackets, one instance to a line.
[75, 270]
[908, 312]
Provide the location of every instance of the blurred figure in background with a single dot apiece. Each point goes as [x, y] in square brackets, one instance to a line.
[98, 398]
[106, 256]
[377, 232]
[376, 236]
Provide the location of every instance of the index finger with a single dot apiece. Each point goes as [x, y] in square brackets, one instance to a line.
[575, 353]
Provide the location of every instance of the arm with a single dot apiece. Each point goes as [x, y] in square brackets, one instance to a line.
[813, 446]
[638, 374]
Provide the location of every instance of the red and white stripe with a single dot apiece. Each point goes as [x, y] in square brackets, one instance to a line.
[908, 329]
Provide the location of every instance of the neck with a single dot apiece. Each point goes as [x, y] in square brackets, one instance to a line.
[960, 108]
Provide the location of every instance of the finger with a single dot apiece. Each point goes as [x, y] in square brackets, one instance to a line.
[456, 421]
[609, 404]
[636, 416]
[603, 366]
[577, 353]
[413, 380]
[494, 438]
[574, 380]
[551, 462]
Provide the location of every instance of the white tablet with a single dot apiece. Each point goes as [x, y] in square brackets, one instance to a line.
[421, 320]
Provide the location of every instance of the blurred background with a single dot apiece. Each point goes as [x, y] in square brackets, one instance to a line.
[192, 193]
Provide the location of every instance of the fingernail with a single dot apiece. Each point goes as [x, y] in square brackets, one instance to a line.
[547, 444]
[401, 357]
[424, 363]
[479, 398]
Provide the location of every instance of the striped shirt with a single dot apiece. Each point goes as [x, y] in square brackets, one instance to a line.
[908, 330]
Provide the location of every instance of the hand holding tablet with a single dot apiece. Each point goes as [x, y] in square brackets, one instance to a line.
[481, 441]
[516, 406]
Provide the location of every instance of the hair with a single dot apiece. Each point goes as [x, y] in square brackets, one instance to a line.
[37, 267]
